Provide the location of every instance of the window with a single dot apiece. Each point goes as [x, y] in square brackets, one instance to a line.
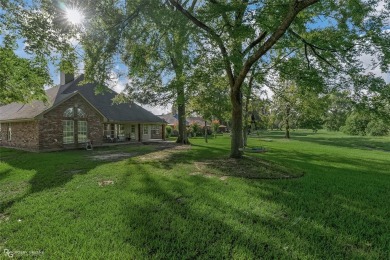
[69, 112]
[9, 133]
[132, 132]
[82, 131]
[68, 132]
[81, 113]
[156, 129]
[121, 130]
[146, 129]
[109, 130]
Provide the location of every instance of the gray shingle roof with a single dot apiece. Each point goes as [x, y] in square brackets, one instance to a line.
[171, 119]
[124, 112]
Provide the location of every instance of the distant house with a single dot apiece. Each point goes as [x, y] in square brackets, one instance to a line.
[197, 120]
[172, 120]
[72, 116]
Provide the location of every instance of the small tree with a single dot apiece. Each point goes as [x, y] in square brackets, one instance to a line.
[196, 129]
[215, 126]
[356, 124]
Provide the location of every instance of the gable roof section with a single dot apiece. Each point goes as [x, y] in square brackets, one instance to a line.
[102, 102]
[19, 111]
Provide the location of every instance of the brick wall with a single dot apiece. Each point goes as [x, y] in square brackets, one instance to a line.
[51, 125]
[24, 135]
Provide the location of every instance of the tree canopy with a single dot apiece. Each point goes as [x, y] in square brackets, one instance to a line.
[316, 44]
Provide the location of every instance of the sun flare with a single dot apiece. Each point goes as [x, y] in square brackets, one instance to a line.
[74, 16]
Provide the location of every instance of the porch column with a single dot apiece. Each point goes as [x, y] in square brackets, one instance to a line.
[163, 132]
[139, 133]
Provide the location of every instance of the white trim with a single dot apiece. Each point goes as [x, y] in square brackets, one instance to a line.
[9, 132]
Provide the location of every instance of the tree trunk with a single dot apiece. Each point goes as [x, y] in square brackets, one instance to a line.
[205, 131]
[287, 121]
[180, 100]
[236, 141]
[182, 138]
[246, 111]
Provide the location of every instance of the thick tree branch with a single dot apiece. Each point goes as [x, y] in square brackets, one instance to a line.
[255, 42]
[294, 9]
[213, 35]
[307, 57]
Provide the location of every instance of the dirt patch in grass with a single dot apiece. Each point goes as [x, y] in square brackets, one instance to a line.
[3, 217]
[105, 183]
[247, 167]
[165, 153]
[145, 151]
[115, 156]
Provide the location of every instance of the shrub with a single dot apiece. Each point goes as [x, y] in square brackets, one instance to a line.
[168, 131]
[196, 129]
[377, 127]
[356, 124]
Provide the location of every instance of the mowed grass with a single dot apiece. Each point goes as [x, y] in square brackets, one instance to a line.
[178, 204]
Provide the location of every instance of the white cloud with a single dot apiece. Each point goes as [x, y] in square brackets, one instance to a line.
[368, 62]
[158, 110]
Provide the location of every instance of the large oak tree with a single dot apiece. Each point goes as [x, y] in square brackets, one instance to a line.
[327, 35]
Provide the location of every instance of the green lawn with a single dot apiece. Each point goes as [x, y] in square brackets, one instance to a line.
[190, 203]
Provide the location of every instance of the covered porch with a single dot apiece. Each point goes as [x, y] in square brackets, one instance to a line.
[115, 132]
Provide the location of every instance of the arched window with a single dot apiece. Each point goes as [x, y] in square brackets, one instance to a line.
[69, 112]
[80, 113]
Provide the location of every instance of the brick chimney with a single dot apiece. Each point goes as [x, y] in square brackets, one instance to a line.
[65, 78]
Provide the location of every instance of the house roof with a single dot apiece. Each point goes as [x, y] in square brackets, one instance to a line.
[171, 119]
[197, 120]
[102, 102]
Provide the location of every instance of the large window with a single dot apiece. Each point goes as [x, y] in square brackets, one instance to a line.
[68, 132]
[82, 131]
[146, 129]
[71, 116]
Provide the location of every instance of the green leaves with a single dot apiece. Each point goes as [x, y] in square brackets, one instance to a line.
[21, 80]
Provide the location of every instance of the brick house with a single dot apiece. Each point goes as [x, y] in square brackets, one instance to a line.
[72, 116]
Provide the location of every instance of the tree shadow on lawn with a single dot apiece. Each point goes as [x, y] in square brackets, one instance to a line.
[356, 142]
[181, 219]
[204, 160]
[364, 143]
[325, 161]
[334, 212]
[4, 173]
[49, 170]
[194, 217]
